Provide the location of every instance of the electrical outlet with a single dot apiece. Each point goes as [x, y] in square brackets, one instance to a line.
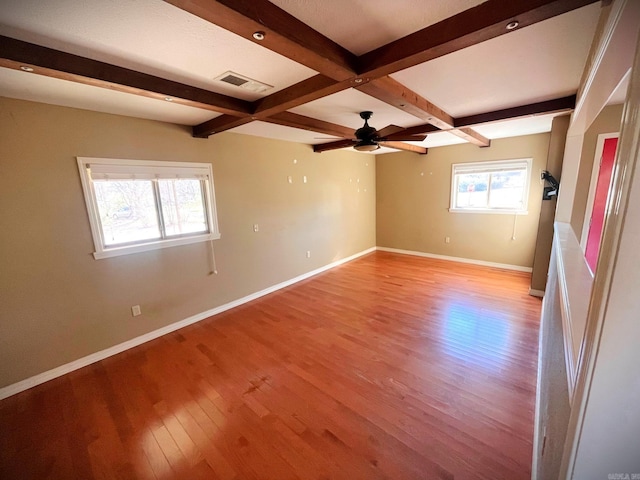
[256, 228]
[447, 240]
[135, 311]
[308, 253]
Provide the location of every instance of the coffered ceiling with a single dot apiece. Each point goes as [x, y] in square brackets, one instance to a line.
[451, 70]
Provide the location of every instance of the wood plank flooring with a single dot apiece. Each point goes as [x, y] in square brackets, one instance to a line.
[388, 367]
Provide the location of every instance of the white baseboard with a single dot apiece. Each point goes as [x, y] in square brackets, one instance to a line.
[18, 387]
[536, 293]
[505, 266]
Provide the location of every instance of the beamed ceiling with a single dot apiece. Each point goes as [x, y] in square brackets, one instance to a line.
[457, 71]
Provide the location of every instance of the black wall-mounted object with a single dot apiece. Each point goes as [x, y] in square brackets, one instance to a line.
[551, 191]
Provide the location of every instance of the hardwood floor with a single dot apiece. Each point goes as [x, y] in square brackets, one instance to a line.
[388, 367]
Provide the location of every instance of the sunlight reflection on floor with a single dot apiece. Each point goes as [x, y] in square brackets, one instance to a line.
[480, 337]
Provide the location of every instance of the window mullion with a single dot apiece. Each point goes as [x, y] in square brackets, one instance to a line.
[159, 211]
[489, 190]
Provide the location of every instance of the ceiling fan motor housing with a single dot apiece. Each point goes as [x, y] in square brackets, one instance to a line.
[366, 132]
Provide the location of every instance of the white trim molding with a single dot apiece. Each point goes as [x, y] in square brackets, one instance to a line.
[472, 261]
[575, 282]
[23, 385]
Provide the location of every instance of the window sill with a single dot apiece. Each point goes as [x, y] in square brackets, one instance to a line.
[489, 210]
[146, 247]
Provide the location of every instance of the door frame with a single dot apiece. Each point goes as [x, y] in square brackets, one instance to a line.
[592, 186]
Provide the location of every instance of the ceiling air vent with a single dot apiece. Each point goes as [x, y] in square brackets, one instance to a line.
[241, 81]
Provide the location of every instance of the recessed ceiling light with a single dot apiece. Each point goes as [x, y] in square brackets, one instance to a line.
[259, 35]
[512, 25]
[26, 69]
[358, 80]
[168, 99]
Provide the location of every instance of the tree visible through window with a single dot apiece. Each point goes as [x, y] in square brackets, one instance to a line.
[136, 206]
[491, 187]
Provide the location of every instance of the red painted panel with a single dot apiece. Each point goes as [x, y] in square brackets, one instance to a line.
[600, 202]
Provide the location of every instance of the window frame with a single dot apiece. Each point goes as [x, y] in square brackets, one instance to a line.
[491, 167]
[161, 168]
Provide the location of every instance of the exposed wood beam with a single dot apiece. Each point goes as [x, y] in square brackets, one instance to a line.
[298, 94]
[295, 40]
[302, 92]
[306, 123]
[558, 105]
[462, 124]
[403, 137]
[324, 147]
[53, 63]
[394, 93]
[283, 33]
[471, 136]
[425, 128]
[289, 119]
[473, 26]
[470, 27]
[390, 130]
[405, 146]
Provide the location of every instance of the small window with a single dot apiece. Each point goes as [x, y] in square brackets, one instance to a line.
[136, 205]
[491, 187]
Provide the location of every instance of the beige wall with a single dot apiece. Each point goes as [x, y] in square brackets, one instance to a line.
[413, 193]
[59, 304]
[608, 121]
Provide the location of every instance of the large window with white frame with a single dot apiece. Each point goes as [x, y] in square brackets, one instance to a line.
[491, 187]
[139, 205]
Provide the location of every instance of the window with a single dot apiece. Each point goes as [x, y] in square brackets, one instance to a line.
[136, 205]
[491, 187]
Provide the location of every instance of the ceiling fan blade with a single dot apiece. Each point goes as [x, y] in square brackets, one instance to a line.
[389, 130]
[323, 147]
[403, 137]
[405, 146]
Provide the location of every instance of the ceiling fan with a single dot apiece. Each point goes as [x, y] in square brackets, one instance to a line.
[368, 139]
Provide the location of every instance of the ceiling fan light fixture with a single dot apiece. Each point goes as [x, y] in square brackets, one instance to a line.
[366, 146]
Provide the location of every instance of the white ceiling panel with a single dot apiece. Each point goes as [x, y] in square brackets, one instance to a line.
[150, 36]
[280, 132]
[364, 25]
[537, 63]
[515, 128]
[439, 139]
[36, 88]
